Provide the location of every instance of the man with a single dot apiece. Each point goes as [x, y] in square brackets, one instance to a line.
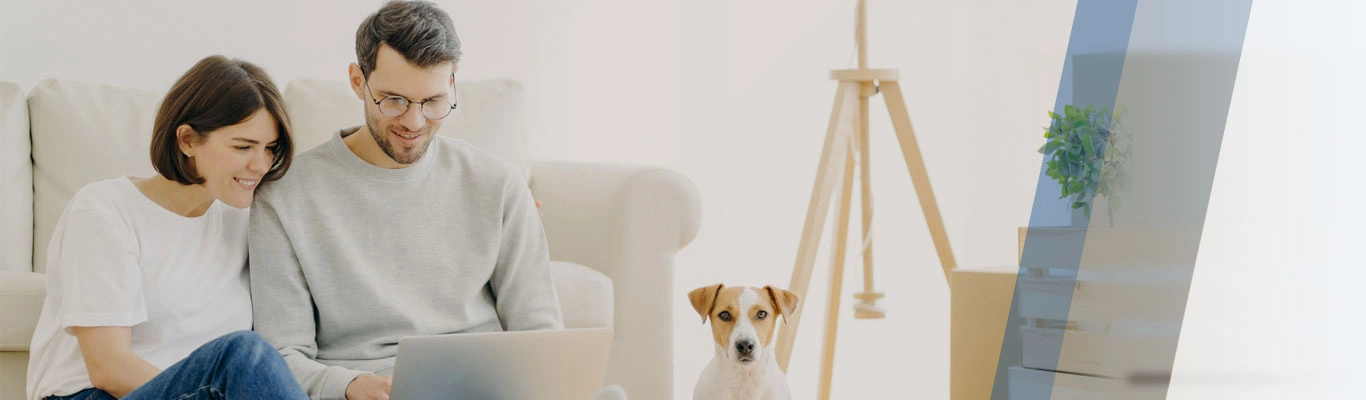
[387, 230]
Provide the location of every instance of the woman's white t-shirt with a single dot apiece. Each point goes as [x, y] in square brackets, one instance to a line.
[119, 259]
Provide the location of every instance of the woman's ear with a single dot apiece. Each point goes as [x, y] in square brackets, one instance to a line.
[186, 138]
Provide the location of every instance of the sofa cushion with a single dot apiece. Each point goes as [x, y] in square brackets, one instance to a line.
[21, 300]
[13, 368]
[585, 295]
[83, 133]
[490, 114]
[16, 181]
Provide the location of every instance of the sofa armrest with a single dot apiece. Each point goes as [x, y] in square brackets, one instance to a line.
[21, 301]
[593, 207]
[627, 222]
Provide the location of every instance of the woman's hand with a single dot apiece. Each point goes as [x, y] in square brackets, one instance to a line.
[110, 361]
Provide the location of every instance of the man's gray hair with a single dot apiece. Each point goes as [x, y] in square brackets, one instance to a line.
[419, 30]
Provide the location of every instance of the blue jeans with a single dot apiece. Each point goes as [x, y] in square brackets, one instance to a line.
[239, 365]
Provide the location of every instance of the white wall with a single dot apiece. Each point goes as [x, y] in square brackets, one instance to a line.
[564, 52]
[735, 94]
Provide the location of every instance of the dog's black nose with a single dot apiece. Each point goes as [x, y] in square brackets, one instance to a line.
[745, 347]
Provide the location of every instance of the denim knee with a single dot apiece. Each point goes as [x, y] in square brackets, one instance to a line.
[246, 345]
[244, 338]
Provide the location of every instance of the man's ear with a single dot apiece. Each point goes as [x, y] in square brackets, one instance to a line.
[704, 298]
[783, 300]
[357, 80]
[451, 84]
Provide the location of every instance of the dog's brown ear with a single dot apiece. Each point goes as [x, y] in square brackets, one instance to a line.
[704, 298]
[783, 300]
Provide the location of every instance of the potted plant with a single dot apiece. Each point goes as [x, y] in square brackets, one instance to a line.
[1087, 150]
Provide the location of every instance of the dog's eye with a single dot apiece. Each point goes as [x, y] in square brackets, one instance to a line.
[762, 314]
[724, 316]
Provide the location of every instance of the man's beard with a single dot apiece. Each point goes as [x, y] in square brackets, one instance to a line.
[382, 138]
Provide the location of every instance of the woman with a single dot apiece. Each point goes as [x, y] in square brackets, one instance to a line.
[147, 282]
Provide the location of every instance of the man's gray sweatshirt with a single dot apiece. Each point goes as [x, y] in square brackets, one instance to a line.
[347, 257]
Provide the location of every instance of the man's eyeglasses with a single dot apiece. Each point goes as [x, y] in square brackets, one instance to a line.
[394, 106]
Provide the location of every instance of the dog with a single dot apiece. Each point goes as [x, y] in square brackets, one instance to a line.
[742, 324]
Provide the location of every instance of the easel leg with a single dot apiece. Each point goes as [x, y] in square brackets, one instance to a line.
[832, 312]
[866, 184]
[901, 122]
[832, 156]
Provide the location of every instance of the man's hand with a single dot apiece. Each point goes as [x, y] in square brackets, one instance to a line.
[369, 387]
[538, 209]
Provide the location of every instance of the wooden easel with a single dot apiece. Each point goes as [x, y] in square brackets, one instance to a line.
[842, 143]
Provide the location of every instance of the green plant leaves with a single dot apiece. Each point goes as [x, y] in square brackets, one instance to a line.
[1086, 151]
[1088, 138]
[1050, 147]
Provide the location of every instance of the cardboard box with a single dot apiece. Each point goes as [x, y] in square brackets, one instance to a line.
[980, 310]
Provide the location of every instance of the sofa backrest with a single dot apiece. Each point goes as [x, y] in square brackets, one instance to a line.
[83, 133]
[16, 181]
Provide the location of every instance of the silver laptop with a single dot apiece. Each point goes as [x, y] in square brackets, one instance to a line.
[566, 364]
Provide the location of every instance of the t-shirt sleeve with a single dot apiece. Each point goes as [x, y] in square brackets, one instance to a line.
[98, 271]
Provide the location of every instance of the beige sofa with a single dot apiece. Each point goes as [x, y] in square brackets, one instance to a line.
[613, 229]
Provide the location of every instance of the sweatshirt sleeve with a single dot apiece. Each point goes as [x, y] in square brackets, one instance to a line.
[522, 285]
[282, 306]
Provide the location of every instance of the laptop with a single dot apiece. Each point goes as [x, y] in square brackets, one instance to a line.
[565, 364]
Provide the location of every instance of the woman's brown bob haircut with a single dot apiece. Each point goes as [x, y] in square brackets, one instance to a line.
[216, 92]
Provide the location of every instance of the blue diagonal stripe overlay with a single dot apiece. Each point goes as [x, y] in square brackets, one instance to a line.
[1141, 110]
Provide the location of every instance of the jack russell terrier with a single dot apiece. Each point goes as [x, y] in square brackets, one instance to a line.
[742, 324]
